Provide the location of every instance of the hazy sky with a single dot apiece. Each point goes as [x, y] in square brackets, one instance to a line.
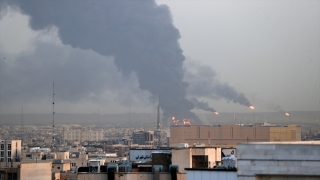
[267, 50]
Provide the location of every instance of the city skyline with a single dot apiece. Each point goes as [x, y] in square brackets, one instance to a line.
[269, 51]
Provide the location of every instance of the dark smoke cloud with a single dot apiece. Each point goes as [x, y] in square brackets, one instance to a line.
[201, 105]
[203, 82]
[275, 107]
[29, 77]
[138, 34]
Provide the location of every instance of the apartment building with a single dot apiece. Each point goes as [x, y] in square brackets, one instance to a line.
[143, 137]
[10, 150]
[83, 134]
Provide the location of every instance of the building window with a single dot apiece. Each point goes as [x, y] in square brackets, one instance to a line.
[9, 146]
[2, 146]
[9, 153]
[58, 167]
[12, 176]
[2, 154]
[199, 161]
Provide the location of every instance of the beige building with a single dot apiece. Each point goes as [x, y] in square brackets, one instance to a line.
[198, 157]
[230, 135]
[10, 150]
[27, 171]
[59, 165]
[83, 134]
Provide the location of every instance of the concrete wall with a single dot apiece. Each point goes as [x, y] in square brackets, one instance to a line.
[182, 157]
[148, 176]
[260, 160]
[211, 175]
[35, 171]
[62, 155]
[65, 176]
[128, 176]
[92, 176]
[289, 133]
[214, 154]
[230, 135]
[60, 167]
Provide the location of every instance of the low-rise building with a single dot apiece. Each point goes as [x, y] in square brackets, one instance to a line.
[196, 157]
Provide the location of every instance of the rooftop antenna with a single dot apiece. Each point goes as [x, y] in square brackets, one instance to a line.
[158, 124]
[21, 123]
[158, 116]
[130, 125]
[53, 140]
[98, 116]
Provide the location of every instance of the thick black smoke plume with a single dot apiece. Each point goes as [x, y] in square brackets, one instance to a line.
[203, 82]
[201, 105]
[142, 39]
[138, 34]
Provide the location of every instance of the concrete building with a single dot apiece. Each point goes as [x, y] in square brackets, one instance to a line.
[119, 149]
[279, 160]
[230, 135]
[59, 165]
[27, 171]
[78, 159]
[10, 150]
[196, 157]
[83, 134]
[143, 137]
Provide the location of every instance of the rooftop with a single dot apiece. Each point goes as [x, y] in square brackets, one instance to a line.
[285, 143]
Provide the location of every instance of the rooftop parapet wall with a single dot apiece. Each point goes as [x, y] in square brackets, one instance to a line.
[281, 158]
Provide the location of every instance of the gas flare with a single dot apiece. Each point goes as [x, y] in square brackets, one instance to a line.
[251, 107]
[287, 114]
[186, 122]
[216, 113]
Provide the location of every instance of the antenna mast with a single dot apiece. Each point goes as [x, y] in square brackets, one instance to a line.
[21, 124]
[53, 140]
[98, 116]
[158, 116]
[158, 125]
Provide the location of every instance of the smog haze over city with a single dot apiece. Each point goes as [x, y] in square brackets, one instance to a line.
[191, 57]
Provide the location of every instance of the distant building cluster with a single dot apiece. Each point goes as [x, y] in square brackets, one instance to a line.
[235, 151]
[83, 134]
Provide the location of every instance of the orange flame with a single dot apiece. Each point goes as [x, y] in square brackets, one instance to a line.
[173, 118]
[287, 114]
[186, 122]
[216, 113]
[251, 107]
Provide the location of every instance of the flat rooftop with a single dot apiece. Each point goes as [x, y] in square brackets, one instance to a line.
[285, 143]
